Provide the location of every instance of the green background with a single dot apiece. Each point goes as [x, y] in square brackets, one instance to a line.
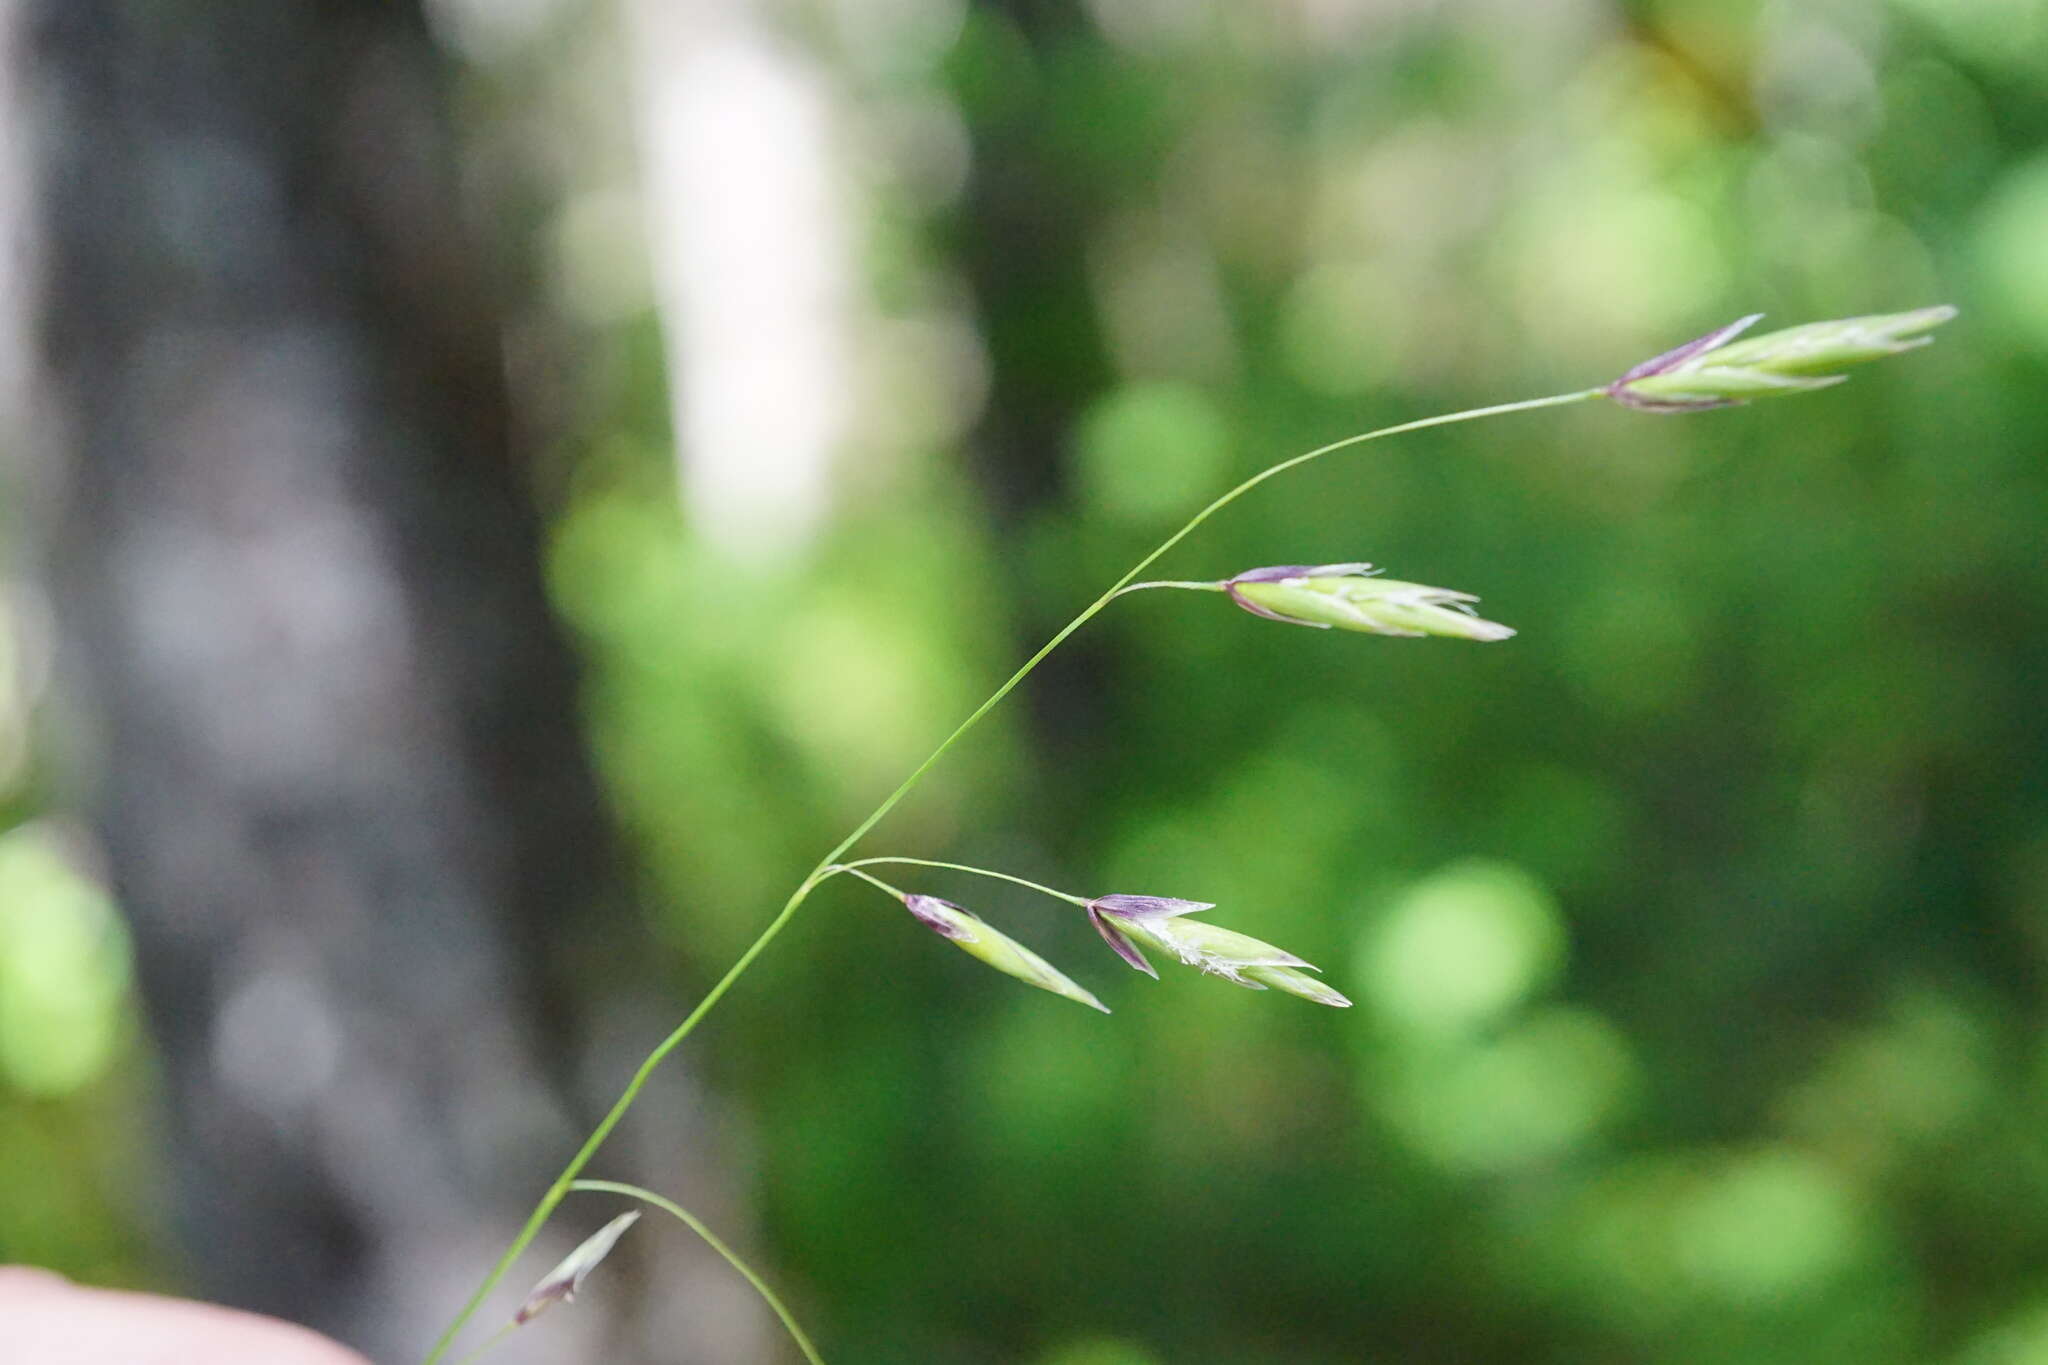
[1698, 934]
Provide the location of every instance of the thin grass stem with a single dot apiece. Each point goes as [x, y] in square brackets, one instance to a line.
[557, 1191]
[711, 1239]
[856, 866]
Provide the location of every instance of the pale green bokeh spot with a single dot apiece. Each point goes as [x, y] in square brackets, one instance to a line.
[1619, 1234]
[1607, 251]
[1532, 1095]
[1462, 947]
[1767, 1227]
[63, 970]
[1339, 326]
[2021, 1339]
[859, 688]
[1149, 452]
[2011, 252]
[1100, 1351]
[1915, 1075]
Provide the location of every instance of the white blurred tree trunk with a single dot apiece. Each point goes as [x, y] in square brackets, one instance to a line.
[747, 224]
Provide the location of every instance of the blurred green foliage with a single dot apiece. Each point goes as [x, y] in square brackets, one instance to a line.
[1698, 933]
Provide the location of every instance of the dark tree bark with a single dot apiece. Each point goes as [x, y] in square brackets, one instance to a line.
[1026, 225]
[327, 723]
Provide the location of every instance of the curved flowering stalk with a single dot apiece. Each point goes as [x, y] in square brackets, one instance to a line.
[1705, 373]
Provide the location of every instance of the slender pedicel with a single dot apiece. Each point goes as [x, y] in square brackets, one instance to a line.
[711, 1239]
[860, 863]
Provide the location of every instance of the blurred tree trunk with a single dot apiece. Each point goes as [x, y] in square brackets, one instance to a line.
[327, 721]
[1027, 223]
